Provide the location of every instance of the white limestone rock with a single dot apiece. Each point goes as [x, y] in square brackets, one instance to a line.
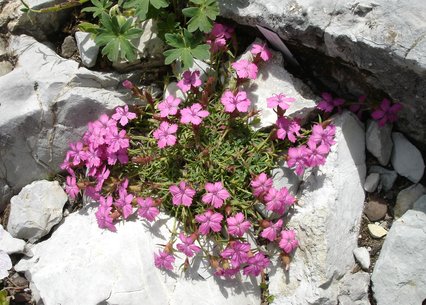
[371, 182]
[363, 257]
[406, 158]
[121, 268]
[46, 103]
[387, 177]
[376, 231]
[36, 209]
[379, 142]
[354, 289]
[327, 222]
[9, 244]
[286, 177]
[87, 48]
[407, 197]
[5, 264]
[399, 276]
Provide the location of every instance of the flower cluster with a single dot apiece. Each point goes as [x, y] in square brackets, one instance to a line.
[196, 159]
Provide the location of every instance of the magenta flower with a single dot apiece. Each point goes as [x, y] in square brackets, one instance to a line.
[164, 260]
[120, 155]
[386, 112]
[221, 30]
[71, 187]
[280, 100]
[256, 264]
[288, 241]
[289, 128]
[187, 246]
[297, 158]
[147, 208]
[182, 194]
[209, 221]
[316, 154]
[116, 140]
[165, 134]
[245, 69]
[323, 136]
[189, 80]
[127, 84]
[124, 202]
[328, 103]
[76, 153]
[92, 159]
[237, 252]
[262, 51]
[237, 225]
[103, 217]
[359, 108]
[278, 200]
[169, 106]
[123, 115]
[239, 101]
[226, 272]
[101, 177]
[218, 37]
[193, 114]
[270, 233]
[216, 194]
[260, 185]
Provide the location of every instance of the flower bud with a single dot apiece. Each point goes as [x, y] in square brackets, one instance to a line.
[127, 84]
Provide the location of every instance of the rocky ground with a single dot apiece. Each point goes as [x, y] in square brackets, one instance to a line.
[360, 218]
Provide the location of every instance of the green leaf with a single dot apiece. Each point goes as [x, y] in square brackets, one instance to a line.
[142, 7]
[100, 6]
[115, 34]
[201, 52]
[88, 27]
[166, 23]
[3, 298]
[202, 15]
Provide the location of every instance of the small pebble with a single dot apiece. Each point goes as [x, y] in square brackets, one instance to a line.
[375, 210]
[376, 231]
[363, 257]
[371, 182]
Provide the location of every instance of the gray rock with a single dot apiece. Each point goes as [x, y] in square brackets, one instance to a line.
[327, 222]
[272, 79]
[46, 103]
[286, 177]
[36, 209]
[3, 46]
[357, 50]
[5, 67]
[363, 257]
[9, 244]
[371, 182]
[376, 231]
[406, 158]
[121, 268]
[375, 209]
[87, 48]
[399, 276]
[406, 198]
[379, 142]
[354, 289]
[387, 177]
[5, 264]
[420, 204]
[69, 47]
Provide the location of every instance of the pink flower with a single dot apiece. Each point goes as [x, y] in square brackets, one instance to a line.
[189, 80]
[245, 69]
[209, 221]
[182, 194]
[327, 103]
[239, 101]
[316, 154]
[124, 202]
[323, 136]
[121, 155]
[147, 209]
[216, 194]
[271, 232]
[237, 252]
[221, 30]
[288, 241]
[237, 225]
[101, 177]
[71, 187]
[165, 134]
[116, 140]
[127, 84]
[226, 272]
[256, 263]
[262, 51]
[103, 214]
[187, 246]
[218, 37]
[260, 185]
[289, 128]
[278, 200]
[193, 114]
[93, 159]
[360, 107]
[297, 158]
[76, 153]
[280, 100]
[386, 112]
[164, 260]
[123, 115]
[169, 106]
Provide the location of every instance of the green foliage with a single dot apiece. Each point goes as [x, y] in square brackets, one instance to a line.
[3, 298]
[142, 7]
[186, 48]
[202, 15]
[100, 6]
[115, 34]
